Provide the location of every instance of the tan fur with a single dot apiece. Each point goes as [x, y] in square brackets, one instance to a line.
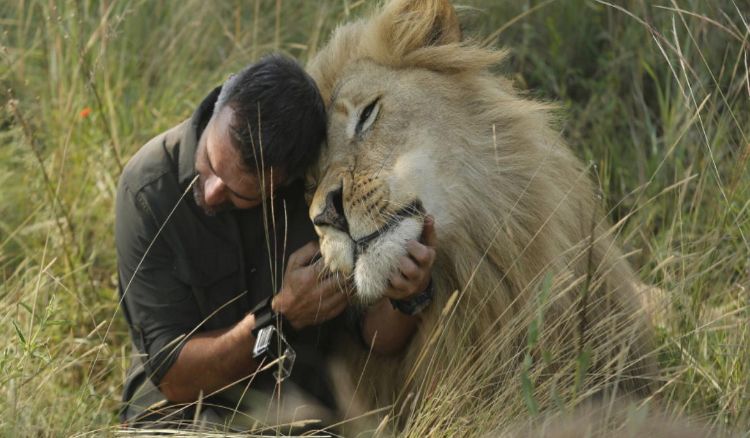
[512, 206]
[617, 419]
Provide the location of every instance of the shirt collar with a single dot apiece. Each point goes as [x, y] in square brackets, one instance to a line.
[192, 134]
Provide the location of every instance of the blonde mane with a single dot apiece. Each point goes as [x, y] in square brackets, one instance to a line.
[534, 300]
[389, 42]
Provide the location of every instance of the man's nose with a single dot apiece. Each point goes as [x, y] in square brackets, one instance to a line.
[333, 213]
[214, 191]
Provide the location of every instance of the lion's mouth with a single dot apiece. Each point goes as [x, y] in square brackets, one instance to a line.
[413, 209]
[371, 258]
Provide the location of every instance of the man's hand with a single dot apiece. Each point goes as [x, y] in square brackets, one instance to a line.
[413, 275]
[306, 298]
[385, 329]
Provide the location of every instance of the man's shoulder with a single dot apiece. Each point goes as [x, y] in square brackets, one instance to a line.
[153, 161]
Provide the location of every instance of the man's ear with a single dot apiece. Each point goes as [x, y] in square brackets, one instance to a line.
[410, 25]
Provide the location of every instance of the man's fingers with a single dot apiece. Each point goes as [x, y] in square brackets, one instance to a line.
[331, 286]
[279, 302]
[429, 236]
[319, 268]
[423, 255]
[399, 292]
[409, 269]
[335, 301]
[338, 308]
[399, 284]
[323, 295]
[330, 304]
[304, 255]
[317, 305]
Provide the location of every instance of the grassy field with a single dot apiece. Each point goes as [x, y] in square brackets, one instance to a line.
[656, 95]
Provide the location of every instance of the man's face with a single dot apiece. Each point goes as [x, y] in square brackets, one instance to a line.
[224, 182]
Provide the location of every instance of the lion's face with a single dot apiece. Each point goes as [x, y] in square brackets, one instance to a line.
[380, 171]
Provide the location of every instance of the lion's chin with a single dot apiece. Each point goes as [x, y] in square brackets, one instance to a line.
[380, 260]
[337, 250]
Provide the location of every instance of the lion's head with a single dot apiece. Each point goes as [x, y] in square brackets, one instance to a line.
[418, 123]
[396, 147]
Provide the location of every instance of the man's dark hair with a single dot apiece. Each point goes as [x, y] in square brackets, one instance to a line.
[278, 111]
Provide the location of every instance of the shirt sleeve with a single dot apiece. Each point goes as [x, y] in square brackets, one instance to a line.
[158, 305]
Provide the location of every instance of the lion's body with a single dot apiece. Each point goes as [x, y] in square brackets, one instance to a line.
[514, 210]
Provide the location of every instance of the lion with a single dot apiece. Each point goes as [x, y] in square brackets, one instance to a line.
[532, 294]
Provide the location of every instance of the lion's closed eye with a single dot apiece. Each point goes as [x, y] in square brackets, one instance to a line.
[368, 116]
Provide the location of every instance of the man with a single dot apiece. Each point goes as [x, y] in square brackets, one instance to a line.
[191, 268]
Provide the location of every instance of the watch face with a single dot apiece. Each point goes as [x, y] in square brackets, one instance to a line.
[263, 341]
[268, 343]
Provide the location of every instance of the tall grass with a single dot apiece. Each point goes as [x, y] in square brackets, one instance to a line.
[656, 97]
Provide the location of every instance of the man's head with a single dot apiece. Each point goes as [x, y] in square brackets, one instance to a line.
[267, 125]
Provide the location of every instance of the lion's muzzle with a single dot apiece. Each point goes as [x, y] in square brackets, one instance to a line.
[364, 232]
[413, 209]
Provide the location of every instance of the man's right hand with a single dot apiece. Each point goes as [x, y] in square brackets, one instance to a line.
[306, 298]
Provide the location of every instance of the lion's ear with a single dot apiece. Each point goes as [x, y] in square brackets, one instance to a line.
[413, 24]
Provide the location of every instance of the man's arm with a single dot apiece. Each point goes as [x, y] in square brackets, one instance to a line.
[385, 329]
[157, 303]
[212, 360]
[209, 361]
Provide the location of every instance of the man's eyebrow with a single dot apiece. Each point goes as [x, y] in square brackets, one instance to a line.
[211, 167]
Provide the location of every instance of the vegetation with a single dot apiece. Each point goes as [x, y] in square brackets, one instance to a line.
[656, 95]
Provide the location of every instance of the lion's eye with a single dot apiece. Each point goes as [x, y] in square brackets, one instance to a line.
[367, 116]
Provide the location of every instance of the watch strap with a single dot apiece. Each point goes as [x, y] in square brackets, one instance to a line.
[414, 304]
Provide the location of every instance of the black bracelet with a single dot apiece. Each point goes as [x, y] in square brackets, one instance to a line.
[415, 304]
[264, 315]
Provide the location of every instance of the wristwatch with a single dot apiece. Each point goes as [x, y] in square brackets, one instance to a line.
[414, 304]
[269, 342]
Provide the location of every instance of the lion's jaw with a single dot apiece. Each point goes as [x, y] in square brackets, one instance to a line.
[379, 178]
[372, 266]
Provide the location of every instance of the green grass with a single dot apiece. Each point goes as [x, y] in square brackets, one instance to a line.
[656, 96]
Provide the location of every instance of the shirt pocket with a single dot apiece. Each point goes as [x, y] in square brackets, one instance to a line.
[206, 266]
[214, 275]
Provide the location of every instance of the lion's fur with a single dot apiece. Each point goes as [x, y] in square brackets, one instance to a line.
[613, 419]
[517, 208]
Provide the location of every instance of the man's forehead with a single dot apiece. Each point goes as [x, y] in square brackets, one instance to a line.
[233, 168]
[221, 143]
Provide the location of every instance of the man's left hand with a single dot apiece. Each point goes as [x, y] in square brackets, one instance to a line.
[413, 274]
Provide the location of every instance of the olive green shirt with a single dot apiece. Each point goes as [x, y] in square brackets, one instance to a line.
[182, 271]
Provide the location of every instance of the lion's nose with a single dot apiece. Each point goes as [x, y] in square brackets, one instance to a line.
[333, 213]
